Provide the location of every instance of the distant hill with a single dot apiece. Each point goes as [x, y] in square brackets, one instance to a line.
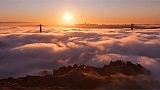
[116, 75]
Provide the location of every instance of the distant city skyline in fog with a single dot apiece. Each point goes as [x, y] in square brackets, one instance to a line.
[90, 11]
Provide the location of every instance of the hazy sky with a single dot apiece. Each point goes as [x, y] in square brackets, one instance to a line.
[91, 11]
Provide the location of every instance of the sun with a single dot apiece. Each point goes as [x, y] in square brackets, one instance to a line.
[67, 16]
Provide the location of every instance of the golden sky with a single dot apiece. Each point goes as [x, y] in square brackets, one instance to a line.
[81, 11]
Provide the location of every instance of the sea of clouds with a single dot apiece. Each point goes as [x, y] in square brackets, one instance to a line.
[24, 52]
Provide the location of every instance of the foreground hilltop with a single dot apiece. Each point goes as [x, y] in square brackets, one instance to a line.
[116, 75]
[121, 67]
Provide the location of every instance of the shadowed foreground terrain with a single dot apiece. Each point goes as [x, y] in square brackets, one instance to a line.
[116, 75]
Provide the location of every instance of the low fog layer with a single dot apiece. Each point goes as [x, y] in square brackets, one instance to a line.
[27, 53]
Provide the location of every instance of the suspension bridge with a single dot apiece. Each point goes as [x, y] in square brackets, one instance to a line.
[48, 29]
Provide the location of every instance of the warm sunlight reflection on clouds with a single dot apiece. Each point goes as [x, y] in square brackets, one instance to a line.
[27, 53]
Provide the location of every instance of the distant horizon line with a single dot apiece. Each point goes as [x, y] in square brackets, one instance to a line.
[81, 23]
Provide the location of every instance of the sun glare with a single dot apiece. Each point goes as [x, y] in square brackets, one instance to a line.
[67, 17]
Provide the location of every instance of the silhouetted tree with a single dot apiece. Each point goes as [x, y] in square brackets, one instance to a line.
[105, 66]
[75, 66]
[69, 67]
[54, 72]
[130, 64]
[82, 66]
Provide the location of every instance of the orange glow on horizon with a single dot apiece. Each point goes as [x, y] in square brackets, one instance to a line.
[73, 17]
